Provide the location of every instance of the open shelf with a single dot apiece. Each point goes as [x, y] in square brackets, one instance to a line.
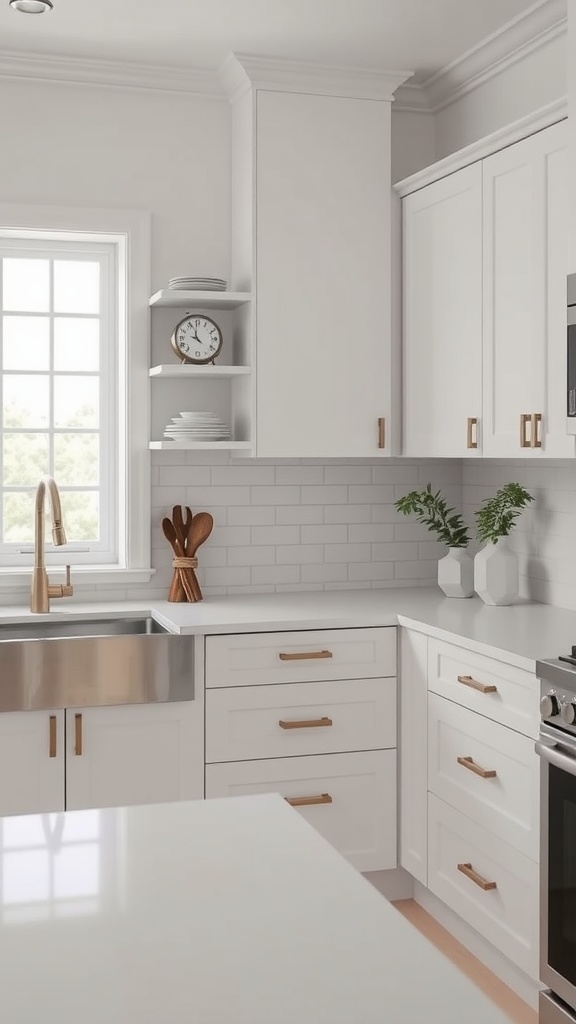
[175, 370]
[199, 300]
[234, 446]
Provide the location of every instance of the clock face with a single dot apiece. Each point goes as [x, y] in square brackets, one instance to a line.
[197, 339]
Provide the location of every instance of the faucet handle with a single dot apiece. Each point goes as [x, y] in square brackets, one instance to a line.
[67, 588]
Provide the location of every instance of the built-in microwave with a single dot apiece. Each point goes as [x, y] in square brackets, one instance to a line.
[571, 349]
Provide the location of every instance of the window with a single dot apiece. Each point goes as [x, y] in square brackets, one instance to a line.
[74, 388]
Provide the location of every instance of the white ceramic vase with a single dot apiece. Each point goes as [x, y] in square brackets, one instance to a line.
[496, 573]
[456, 573]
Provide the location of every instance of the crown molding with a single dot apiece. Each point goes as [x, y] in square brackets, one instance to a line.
[240, 72]
[411, 99]
[513, 43]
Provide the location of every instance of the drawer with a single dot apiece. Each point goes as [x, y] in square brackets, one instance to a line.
[506, 803]
[507, 914]
[247, 658]
[502, 692]
[349, 798]
[300, 718]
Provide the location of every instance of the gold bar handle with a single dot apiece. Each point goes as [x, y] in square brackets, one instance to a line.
[525, 419]
[312, 655]
[475, 685]
[470, 764]
[382, 432]
[308, 801]
[78, 735]
[535, 430]
[307, 723]
[53, 736]
[482, 883]
[472, 423]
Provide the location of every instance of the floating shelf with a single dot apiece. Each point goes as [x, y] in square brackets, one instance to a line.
[199, 300]
[175, 370]
[234, 446]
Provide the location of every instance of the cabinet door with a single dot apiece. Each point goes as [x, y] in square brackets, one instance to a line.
[413, 754]
[442, 317]
[323, 275]
[31, 762]
[137, 754]
[524, 346]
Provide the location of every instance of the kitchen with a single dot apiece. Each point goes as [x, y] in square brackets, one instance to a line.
[299, 524]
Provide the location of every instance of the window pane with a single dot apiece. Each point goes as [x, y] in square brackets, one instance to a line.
[76, 401]
[26, 343]
[26, 285]
[76, 286]
[24, 831]
[81, 825]
[76, 459]
[25, 459]
[18, 517]
[76, 344]
[77, 871]
[26, 401]
[81, 515]
[26, 876]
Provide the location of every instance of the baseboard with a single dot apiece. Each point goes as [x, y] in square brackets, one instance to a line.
[395, 884]
[525, 987]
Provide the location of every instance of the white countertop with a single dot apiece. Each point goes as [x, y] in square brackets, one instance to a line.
[217, 912]
[519, 634]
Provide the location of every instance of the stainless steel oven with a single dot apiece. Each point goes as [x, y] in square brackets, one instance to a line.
[557, 749]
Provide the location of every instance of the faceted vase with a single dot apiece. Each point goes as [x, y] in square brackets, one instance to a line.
[496, 573]
[456, 573]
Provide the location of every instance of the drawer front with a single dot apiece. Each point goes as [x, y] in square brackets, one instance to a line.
[502, 692]
[507, 914]
[352, 798]
[300, 718]
[464, 750]
[244, 659]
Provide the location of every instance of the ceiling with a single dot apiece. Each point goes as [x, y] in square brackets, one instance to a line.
[420, 35]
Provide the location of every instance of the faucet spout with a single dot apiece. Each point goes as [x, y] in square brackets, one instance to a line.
[42, 590]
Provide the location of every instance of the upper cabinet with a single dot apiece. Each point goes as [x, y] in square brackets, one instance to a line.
[485, 264]
[311, 241]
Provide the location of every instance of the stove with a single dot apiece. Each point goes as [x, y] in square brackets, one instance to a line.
[558, 692]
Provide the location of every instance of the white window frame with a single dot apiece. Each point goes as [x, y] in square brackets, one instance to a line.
[129, 232]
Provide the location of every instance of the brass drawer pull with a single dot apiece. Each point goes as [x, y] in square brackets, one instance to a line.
[311, 656]
[525, 419]
[468, 870]
[307, 723]
[470, 764]
[536, 426]
[382, 432]
[308, 801]
[53, 741]
[470, 442]
[78, 735]
[475, 685]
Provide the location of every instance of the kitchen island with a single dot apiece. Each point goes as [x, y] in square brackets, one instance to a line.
[230, 910]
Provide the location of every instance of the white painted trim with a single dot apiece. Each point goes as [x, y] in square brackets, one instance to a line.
[241, 71]
[412, 99]
[82, 576]
[490, 144]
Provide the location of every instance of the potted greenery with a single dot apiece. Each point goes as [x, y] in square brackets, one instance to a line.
[495, 565]
[455, 570]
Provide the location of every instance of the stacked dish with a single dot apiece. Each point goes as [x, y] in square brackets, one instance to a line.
[202, 284]
[190, 427]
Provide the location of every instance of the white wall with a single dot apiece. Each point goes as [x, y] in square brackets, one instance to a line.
[413, 142]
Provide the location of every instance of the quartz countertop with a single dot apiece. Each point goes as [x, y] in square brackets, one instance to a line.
[231, 911]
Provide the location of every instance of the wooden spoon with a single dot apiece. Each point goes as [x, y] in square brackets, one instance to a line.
[171, 535]
[198, 532]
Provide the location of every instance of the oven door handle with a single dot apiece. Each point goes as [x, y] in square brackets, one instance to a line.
[554, 756]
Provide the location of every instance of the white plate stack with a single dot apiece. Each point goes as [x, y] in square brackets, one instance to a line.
[195, 284]
[190, 427]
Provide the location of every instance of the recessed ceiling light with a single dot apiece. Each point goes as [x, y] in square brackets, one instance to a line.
[32, 6]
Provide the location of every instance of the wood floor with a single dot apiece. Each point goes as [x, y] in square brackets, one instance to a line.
[510, 1004]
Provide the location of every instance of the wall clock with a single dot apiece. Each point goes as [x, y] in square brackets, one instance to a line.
[197, 339]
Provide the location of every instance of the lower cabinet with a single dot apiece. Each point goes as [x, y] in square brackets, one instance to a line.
[32, 767]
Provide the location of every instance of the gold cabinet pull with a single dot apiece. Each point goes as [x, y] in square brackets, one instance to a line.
[470, 441]
[470, 764]
[475, 685]
[535, 430]
[53, 737]
[78, 735]
[525, 419]
[308, 801]
[382, 432]
[482, 883]
[307, 723]
[312, 655]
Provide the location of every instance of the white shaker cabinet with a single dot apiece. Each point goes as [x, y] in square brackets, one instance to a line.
[31, 762]
[311, 238]
[442, 317]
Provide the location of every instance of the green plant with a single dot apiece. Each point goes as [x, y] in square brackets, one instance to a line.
[496, 516]
[430, 508]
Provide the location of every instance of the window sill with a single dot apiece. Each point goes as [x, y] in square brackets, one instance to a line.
[82, 575]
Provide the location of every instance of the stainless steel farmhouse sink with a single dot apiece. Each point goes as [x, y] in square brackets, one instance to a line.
[91, 663]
